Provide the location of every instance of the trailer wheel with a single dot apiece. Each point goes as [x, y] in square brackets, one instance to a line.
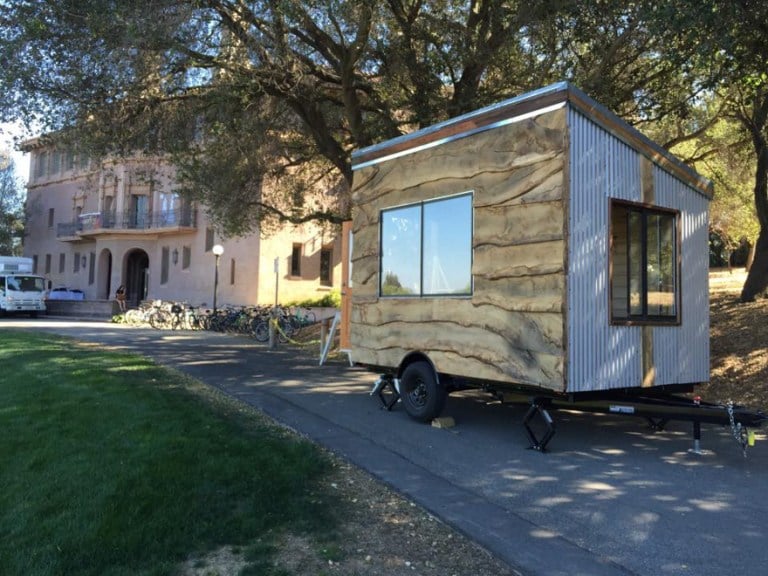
[422, 395]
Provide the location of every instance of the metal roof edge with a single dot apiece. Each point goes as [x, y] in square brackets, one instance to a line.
[522, 106]
[377, 152]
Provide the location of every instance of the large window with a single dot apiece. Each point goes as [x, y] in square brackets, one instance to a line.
[644, 271]
[426, 248]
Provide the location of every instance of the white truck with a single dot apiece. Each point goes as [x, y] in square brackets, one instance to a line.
[21, 291]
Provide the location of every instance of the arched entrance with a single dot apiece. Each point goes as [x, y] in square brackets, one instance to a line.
[136, 276]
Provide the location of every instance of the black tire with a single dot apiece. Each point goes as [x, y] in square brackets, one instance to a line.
[261, 331]
[285, 330]
[159, 319]
[423, 396]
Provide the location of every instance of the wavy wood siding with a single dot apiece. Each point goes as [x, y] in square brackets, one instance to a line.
[512, 327]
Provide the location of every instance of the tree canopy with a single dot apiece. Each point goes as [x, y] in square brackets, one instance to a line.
[11, 208]
[260, 103]
[725, 42]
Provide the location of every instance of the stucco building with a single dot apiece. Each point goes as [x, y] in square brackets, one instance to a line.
[93, 227]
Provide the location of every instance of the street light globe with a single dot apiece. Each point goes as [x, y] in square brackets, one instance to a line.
[218, 249]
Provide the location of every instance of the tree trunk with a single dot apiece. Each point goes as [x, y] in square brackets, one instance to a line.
[750, 257]
[757, 279]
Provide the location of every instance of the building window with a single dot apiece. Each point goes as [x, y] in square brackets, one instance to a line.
[164, 265]
[208, 239]
[34, 264]
[41, 165]
[426, 248]
[69, 162]
[186, 257]
[326, 266]
[169, 209]
[92, 268]
[50, 218]
[232, 271]
[55, 166]
[62, 262]
[296, 260]
[76, 263]
[47, 263]
[644, 264]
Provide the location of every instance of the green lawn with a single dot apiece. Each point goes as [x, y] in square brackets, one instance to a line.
[111, 465]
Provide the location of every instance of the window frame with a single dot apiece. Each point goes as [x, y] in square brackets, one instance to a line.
[644, 318]
[422, 293]
[297, 250]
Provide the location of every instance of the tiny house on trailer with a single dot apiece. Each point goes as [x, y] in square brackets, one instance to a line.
[539, 245]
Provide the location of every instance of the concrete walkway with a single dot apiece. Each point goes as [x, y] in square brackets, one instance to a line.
[611, 498]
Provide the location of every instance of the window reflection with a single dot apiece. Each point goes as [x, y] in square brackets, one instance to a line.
[643, 259]
[426, 249]
[401, 251]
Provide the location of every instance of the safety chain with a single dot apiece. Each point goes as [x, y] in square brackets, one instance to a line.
[276, 324]
[740, 433]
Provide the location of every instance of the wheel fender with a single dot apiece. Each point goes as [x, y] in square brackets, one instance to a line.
[416, 356]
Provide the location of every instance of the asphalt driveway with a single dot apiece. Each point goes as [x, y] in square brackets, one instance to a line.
[610, 498]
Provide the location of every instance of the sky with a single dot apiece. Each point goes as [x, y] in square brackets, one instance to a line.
[7, 132]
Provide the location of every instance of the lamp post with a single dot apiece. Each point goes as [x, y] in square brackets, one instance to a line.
[218, 250]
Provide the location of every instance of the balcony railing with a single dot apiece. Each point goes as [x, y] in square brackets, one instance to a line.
[94, 222]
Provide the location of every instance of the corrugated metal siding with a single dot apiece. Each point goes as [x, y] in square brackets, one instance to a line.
[681, 353]
[601, 356]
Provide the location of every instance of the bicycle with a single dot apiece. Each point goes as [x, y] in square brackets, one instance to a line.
[302, 317]
[284, 327]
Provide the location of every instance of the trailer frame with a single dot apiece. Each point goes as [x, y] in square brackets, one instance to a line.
[657, 407]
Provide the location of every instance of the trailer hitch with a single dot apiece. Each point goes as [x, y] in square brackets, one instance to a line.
[744, 437]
